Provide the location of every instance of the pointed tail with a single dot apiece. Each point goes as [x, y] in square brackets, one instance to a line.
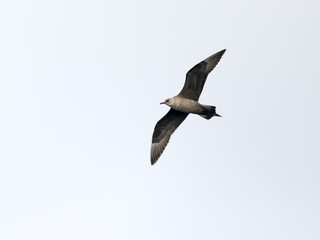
[209, 112]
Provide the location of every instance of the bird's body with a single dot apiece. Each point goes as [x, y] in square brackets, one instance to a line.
[184, 103]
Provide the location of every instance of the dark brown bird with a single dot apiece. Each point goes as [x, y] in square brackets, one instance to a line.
[184, 103]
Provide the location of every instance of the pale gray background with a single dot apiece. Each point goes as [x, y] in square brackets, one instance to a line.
[80, 87]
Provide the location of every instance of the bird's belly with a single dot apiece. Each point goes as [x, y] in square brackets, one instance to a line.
[188, 106]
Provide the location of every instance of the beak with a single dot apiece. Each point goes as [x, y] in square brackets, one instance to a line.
[217, 115]
[162, 103]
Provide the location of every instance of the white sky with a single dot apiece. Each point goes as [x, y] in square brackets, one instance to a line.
[80, 87]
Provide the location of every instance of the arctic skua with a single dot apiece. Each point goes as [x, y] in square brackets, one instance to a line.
[184, 103]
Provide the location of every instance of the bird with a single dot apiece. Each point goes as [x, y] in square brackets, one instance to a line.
[184, 103]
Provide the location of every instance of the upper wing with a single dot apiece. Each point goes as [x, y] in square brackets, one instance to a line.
[163, 131]
[196, 76]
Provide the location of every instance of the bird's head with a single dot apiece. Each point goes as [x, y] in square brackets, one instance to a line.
[168, 101]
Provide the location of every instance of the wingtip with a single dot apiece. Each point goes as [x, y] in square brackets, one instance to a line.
[153, 161]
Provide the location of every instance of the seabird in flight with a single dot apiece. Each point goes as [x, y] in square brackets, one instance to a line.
[184, 103]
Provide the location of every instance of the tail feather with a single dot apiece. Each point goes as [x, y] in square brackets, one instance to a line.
[209, 112]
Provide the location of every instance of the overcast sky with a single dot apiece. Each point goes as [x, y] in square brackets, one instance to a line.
[80, 87]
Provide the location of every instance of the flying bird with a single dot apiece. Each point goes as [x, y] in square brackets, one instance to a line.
[184, 103]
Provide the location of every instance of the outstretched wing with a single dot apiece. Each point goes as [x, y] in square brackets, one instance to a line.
[163, 130]
[196, 76]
